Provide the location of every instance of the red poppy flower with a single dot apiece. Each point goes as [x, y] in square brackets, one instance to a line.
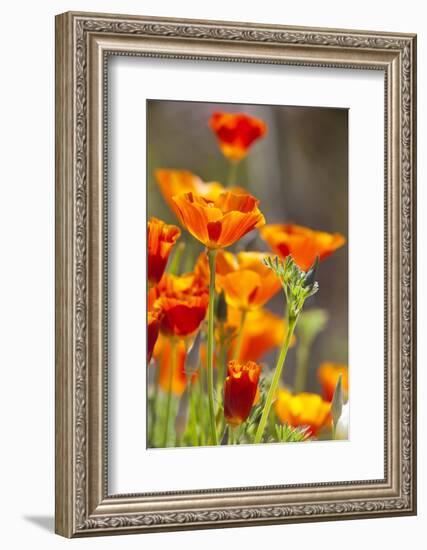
[236, 133]
[183, 301]
[160, 240]
[240, 390]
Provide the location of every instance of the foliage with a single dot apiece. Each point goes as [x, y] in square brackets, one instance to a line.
[289, 434]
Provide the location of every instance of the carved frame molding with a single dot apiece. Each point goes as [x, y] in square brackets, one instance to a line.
[83, 44]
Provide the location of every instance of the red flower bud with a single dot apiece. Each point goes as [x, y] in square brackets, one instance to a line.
[240, 389]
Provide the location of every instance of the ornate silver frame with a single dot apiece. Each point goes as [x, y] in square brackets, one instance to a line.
[83, 43]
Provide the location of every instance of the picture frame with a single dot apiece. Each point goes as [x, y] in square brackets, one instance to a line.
[84, 42]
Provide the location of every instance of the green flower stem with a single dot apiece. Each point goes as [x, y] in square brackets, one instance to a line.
[232, 173]
[211, 257]
[221, 361]
[240, 335]
[154, 400]
[169, 398]
[201, 407]
[193, 421]
[275, 381]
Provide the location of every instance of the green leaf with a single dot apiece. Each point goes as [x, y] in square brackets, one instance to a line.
[290, 434]
[297, 284]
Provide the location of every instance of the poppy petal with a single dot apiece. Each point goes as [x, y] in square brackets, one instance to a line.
[239, 287]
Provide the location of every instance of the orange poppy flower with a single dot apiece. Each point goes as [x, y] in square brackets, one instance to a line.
[240, 389]
[160, 240]
[236, 133]
[153, 326]
[249, 284]
[302, 243]
[263, 331]
[183, 301]
[221, 222]
[302, 409]
[328, 374]
[224, 263]
[175, 182]
[163, 354]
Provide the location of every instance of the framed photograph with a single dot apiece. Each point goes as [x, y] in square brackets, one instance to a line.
[235, 274]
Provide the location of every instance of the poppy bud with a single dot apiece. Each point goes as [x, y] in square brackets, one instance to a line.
[328, 374]
[310, 277]
[221, 308]
[240, 389]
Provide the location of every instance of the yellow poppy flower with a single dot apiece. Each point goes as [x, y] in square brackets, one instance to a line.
[302, 409]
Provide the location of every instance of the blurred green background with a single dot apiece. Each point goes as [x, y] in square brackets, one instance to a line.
[298, 171]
